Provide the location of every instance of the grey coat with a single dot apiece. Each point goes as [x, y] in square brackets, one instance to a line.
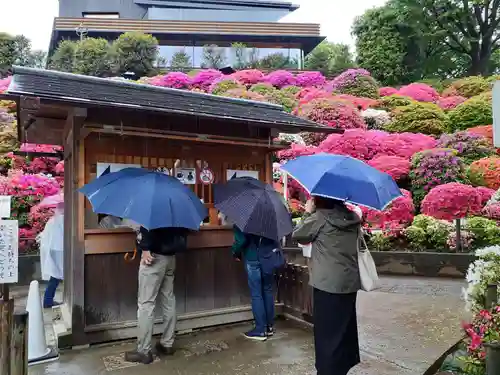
[334, 235]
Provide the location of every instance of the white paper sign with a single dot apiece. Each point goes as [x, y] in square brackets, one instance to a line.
[186, 175]
[114, 167]
[5, 206]
[233, 173]
[9, 251]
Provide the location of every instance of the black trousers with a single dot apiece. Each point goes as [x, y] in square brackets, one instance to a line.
[335, 332]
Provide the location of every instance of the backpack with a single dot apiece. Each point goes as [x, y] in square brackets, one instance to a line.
[270, 255]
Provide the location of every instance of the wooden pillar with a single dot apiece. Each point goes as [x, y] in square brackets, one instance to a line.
[6, 316]
[19, 348]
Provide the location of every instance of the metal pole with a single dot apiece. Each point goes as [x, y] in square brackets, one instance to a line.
[491, 296]
[459, 235]
[19, 348]
[6, 317]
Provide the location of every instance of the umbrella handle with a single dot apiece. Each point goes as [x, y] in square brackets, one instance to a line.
[129, 258]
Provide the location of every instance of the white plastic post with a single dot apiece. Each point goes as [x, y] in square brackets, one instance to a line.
[37, 344]
[496, 114]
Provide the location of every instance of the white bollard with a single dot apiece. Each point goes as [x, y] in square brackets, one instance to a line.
[38, 350]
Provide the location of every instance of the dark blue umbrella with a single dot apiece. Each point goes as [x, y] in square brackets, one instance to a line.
[254, 207]
[343, 178]
[151, 199]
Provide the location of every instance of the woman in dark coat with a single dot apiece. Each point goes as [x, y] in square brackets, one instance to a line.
[334, 232]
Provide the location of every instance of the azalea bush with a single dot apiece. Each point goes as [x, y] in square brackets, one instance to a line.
[287, 101]
[242, 93]
[8, 131]
[219, 87]
[485, 231]
[428, 233]
[388, 103]
[4, 84]
[280, 78]
[492, 212]
[263, 88]
[450, 102]
[359, 144]
[485, 172]
[333, 113]
[175, 80]
[386, 91]
[470, 147]
[484, 130]
[248, 76]
[357, 82]
[358, 102]
[397, 215]
[431, 168]
[203, 79]
[467, 87]
[419, 92]
[395, 166]
[310, 79]
[425, 118]
[474, 111]
[375, 118]
[295, 151]
[452, 201]
[486, 194]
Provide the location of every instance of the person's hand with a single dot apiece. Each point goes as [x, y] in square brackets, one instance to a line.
[310, 206]
[237, 257]
[147, 258]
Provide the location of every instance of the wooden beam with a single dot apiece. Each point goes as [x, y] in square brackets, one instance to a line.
[150, 134]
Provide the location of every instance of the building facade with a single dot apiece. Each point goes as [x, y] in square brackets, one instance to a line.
[233, 28]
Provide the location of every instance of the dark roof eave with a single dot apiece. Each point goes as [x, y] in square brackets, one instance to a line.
[101, 104]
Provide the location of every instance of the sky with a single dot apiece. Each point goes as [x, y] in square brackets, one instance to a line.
[34, 18]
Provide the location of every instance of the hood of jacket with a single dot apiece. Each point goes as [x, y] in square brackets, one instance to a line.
[341, 217]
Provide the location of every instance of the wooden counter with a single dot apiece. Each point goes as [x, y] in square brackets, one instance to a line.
[122, 240]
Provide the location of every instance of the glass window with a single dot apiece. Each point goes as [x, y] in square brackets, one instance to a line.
[176, 57]
[101, 15]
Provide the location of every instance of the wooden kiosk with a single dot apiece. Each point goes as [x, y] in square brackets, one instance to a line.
[103, 122]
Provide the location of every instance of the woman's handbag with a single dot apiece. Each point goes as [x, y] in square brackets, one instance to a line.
[270, 256]
[367, 268]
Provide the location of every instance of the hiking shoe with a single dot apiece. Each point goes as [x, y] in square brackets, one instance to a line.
[164, 350]
[136, 357]
[49, 305]
[254, 335]
[270, 331]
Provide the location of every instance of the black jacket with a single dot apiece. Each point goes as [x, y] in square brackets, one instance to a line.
[162, 241]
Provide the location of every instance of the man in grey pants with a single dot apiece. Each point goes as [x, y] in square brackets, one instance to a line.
[156, 277]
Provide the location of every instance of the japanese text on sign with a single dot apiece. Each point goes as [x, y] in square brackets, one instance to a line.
[8, 251]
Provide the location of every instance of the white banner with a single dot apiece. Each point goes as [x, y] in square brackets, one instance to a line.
[9, 251]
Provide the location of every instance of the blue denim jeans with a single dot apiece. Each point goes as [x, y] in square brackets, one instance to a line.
[261, 291]
[50, 292]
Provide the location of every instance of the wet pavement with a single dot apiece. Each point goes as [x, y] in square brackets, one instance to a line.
[403, 327]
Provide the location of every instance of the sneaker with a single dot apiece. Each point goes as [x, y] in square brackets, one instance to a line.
[270, 331]
[254, 335]
[48, 305]
[164, 350]
[137, 357]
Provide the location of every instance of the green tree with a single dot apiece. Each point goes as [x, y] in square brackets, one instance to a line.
[134, 52]
[213, 57]
[92, 57]
[16, 50]
[37, 59]
[63, 58]
[239, 51]
[470, 29]
[180, 61]
[330, 58]
[276, 61]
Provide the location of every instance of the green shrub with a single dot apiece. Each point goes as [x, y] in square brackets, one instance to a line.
[135, 52]
[467, 87]
[263, 88]
[380, 242]
[225, 85]
[426, 118]
[486, 232]
[363, 86]
[388, 103]
[63, 58]
[417, 238]
[279, 97]
[291, 90]
[92, 57]
[473, 112]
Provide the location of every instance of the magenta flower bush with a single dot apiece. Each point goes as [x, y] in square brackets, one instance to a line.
[431, 168]
[359, 144]
[405, 145]
[450, 102]
[386, 91]
[174, 80]
[295, 151]
[470, 146]
[357, 82]
[395, 166]
[280, 78]
[4, 84]
[248, 76]
[419, 92]
[333, 113]
[310, 79]
[452, 201]
[486, 194]
[205, 78]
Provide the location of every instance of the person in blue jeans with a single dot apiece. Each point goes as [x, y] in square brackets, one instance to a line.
[50, 293]
[245, 247]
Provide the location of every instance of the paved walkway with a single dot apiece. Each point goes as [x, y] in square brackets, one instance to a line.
[404, 327]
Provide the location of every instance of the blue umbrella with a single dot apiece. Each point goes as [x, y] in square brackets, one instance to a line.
[343, 178]
[254, 207]
[151, 199]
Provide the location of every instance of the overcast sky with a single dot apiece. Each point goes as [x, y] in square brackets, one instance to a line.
[34, 18]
